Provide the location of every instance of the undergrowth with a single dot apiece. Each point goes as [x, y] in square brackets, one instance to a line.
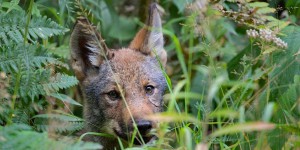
[233, 73]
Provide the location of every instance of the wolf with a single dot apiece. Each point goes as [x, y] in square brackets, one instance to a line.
[121, 87]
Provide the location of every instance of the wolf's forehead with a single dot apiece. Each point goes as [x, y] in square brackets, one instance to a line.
[127, 56]
[130, 65]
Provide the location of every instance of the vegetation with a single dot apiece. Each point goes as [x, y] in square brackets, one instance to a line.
[233, 72]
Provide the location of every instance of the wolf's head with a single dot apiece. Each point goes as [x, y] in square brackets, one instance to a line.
[121, 87]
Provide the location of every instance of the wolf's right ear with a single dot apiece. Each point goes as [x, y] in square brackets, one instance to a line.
[88, 49]
[149, 40]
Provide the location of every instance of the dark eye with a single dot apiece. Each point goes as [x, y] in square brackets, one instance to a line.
[149, 89]
[114, 95]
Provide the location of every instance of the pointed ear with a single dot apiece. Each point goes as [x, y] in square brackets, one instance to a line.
[149, 40]
[87, 49]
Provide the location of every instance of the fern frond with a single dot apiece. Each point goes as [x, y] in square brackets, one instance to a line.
[66, 7]
[39, 82]
[30, 62]
[32, 83]
[65, 98]
[44, 27]
[59, 122]
[62, 117]
[4, 111]
[38, 61]
[59, 81]
[15, 56]
[20, 137]
[10, 58]
[13, 27]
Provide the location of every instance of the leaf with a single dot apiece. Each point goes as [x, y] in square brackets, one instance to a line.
[61, 117]
[269, 50]
[181, 4]
[289, 99]
[11, 5]
[16, 138]
[258, 4]
[179, 51]
[243, 127]
[32, 83]
[266, 10]
[275, 23]
[287, 65]
[268, 112]
[290, 128]
[227, 113]
[29, 61]
[65, 98]
[13, 27]
[182, 95]
[62, 51]
[59, 81]
[61, 123]
[35, 10]
[173, 117]
[234, 64]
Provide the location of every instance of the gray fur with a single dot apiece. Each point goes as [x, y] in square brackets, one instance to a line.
[96, 105]
[125, 70]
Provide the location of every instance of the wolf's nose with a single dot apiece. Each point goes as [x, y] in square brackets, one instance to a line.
[144, 126]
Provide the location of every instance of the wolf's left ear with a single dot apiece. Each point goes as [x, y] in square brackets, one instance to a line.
[149, 40]
[88, 50]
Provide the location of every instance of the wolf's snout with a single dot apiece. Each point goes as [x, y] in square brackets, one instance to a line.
[144, 126]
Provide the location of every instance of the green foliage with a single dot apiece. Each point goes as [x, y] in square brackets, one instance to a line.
[31, 62]
[31, 74]
[21, 137]
[229, 87]
[113, 25]
[13, 27]
[61, 123]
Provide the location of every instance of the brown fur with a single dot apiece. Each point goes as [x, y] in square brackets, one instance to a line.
[121, 87]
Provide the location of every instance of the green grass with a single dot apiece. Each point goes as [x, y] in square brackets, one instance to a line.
[225, 90]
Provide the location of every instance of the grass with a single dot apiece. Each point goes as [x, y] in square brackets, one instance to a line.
[226, 90]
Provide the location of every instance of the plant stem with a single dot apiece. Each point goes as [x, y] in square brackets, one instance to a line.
[28, 20]
[14, 97]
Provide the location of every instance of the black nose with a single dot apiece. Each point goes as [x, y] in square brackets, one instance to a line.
[144, 126]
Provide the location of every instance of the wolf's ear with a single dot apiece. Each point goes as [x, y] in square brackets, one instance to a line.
[87, 49]
[149, 40]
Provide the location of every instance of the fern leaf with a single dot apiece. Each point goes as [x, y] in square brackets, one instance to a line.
[38, 61]
[40, 82]
[30, 62]
[59, 81]
[13, 27]
[44, 27]
[32, 81]
[10, 58]
[34, 56]
[20, 137]
[61, 117]
[65, 98]
[59, 122]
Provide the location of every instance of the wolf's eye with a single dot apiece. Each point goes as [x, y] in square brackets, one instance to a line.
[114, 95]
[149, 89]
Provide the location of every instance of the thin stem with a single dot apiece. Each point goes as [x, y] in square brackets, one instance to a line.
[28, 20]
[14, 97]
